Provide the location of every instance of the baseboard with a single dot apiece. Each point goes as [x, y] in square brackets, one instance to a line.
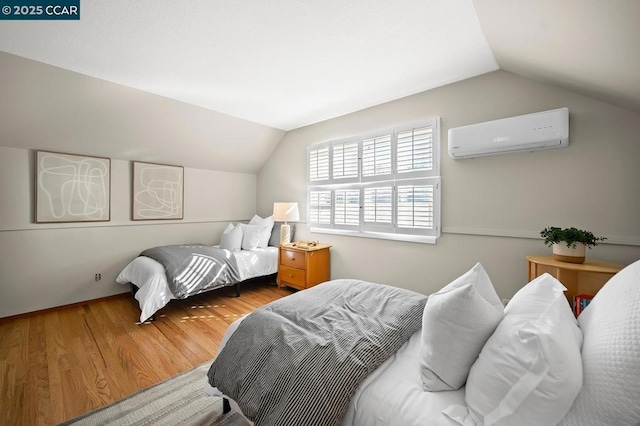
[58, 308]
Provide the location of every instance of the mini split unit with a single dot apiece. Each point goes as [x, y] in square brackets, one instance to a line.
[531, 132]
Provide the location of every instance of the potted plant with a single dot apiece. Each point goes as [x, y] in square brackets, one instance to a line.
[569, 244]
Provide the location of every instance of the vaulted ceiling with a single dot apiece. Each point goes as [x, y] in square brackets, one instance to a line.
[281, 63]
[587, 46]
[289, 63]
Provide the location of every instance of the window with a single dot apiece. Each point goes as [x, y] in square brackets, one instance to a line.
[347, 207]
[378, 205]
[376, 156]
[319, 164]
[345, 160]
[383, 185]
[415, 206]
[415, 150]
[320, 207]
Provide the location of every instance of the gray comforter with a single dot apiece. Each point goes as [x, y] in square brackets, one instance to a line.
[194, 268]
[298, 360]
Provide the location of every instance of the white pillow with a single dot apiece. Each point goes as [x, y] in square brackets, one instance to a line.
[610, 393]
[534, 297]
[231, 238]
[530, 370]
[250, 236]
[267, 225]
[456, 323]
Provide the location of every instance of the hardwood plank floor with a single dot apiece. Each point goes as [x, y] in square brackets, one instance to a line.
[58, 364]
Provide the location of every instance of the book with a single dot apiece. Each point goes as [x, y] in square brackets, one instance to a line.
[580, 302]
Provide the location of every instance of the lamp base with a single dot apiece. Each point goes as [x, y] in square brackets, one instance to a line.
[285, 234]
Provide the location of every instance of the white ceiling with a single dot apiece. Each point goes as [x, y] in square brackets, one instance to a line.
[281, 63]
[289, 63]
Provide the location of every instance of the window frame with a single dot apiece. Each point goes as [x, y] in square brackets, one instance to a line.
[394, 179]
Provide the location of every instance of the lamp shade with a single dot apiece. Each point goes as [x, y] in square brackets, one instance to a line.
[286, 212]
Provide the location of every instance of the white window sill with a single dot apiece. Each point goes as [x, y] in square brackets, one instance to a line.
[423, 239]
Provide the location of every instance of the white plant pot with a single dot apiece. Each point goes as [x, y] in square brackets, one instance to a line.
[568, 254]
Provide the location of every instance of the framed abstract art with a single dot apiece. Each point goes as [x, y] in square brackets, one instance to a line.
[72, 188]
[158, 191]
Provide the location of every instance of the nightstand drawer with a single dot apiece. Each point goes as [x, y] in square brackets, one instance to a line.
[292, 276]
[292, 258]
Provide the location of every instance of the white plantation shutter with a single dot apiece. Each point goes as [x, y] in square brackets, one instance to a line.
[415, 206]
[320, 207]
[345, 160]
[376, 156]
[347, 207]
[378, 205]
[415, 151]
[380, 186]
[319, 163]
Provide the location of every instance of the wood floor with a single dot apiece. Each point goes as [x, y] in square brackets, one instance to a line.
[58, 364]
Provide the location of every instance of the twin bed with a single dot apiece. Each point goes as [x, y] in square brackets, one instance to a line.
[163, 273]
[152, 289]
[355, 353]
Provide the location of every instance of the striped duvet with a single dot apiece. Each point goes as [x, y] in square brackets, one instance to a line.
[194, 268]
[298, 360]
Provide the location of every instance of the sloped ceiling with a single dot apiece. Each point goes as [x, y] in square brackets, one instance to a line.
[587, 46]
[280, 63]
[50, 108]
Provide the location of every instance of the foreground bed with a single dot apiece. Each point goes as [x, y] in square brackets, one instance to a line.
[536, 366]
[393, 393]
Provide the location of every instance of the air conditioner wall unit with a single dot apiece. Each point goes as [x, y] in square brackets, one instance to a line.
[530, 132]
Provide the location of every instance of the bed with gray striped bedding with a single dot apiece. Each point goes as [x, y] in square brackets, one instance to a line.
[299, 360]
[194, 268]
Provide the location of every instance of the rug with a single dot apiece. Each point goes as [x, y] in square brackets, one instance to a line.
[179, 400]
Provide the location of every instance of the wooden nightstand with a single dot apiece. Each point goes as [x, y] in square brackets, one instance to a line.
[303, 267]
[578, 278]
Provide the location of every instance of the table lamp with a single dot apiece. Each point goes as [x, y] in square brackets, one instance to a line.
[285, 212]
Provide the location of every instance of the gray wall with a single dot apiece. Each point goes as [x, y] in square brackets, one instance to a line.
[44, 107]
[492, 211]
[48, 265]
[493, 207]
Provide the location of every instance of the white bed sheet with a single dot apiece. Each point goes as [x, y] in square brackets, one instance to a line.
[153, 289]
[392, 394]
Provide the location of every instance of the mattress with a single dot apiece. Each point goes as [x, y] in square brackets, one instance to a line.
[392, 394]
[153, 289]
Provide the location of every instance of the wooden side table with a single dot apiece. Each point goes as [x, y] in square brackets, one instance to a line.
[301, 267]
[578, 278]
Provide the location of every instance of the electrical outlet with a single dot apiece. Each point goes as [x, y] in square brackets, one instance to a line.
[97, 277]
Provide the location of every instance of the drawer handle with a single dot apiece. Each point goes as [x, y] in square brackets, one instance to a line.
[291, 275]
[293, 259]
